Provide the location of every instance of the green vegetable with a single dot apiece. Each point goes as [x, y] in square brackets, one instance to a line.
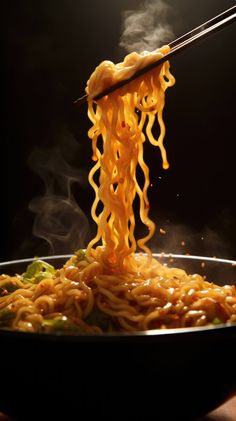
[98, 318]
[38, 270]
[80, 255]
[6, 317]
[217, 321]
[59, 325]
[8, 287]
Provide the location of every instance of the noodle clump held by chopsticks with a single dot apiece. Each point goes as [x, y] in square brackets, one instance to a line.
[110, 287]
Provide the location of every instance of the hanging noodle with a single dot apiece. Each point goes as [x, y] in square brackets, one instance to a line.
[109, 286]
[121, 119]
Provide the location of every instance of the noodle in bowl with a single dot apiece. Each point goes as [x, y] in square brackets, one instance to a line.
[113, 370]
[85, 296]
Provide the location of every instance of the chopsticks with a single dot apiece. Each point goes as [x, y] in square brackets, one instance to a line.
[190, 38]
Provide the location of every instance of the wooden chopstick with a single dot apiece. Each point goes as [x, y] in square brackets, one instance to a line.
[190, 38]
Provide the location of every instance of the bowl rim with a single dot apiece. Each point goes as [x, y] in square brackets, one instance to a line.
[159, 255]
[230, 328]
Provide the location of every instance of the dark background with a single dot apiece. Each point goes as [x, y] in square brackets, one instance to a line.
[49, 50]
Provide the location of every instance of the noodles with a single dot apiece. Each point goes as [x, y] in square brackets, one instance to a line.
[109, 286]
[82, 297]
[121, 119]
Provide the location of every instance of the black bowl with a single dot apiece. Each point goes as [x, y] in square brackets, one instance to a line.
[172, 374]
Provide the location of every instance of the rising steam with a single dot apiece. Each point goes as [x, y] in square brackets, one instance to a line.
[146, 28]
[59, 219]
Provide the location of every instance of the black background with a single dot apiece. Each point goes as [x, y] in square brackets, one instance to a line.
[49, 50]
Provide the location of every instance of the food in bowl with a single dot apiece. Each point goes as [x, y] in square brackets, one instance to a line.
[82, 296]
[109, 286]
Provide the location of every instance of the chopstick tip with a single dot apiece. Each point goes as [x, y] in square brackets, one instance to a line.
[81, 100]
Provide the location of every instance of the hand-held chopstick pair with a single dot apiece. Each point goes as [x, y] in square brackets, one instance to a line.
[190, 38]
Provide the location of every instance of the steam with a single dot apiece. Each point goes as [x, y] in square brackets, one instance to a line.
[146, 28]
[59, 219]
[186, 239]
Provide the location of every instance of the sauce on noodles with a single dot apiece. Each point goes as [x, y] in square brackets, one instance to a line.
[110, 287]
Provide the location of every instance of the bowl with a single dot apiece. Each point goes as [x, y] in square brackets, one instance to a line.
[167, 374]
